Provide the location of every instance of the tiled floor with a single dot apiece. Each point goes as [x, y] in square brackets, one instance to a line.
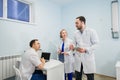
[97, 77]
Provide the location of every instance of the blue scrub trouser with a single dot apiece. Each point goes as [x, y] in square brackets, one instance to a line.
[38, 75]
[69, 76]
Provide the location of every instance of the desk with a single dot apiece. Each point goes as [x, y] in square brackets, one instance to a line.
[117, 70]
[54, 70]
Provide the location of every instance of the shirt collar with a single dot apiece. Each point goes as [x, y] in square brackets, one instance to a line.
[81, 31]
[33, 49]
[65, 39]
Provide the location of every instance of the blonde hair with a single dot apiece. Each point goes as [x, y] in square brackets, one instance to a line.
[61, 32]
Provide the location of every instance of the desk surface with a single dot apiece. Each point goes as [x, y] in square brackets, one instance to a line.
[51, 64]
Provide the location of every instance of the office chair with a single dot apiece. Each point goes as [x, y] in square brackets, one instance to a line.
[17, 72]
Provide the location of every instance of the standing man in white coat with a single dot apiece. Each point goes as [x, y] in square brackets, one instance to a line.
[86, 40]
[66, 54]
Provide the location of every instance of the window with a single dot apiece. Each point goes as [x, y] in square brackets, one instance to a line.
[18, 10]
[1, 8]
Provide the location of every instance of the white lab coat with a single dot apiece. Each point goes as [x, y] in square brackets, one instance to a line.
[68, 59]
[88, 40]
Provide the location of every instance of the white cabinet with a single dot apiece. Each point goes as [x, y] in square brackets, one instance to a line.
[117, 70]
[54, 70]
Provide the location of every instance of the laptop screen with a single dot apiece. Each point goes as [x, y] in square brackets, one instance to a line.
[46, 55]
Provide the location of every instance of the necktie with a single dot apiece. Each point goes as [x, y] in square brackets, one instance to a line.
[61, 56]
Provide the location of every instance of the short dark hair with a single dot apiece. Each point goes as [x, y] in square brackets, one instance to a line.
[82, 18]
[32, 42]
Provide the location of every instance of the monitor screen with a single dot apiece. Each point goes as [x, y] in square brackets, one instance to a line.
[45, 55]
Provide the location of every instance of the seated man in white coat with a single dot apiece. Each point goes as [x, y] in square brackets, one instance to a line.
[30, 61]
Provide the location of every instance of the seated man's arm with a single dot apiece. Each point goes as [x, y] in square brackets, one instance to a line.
[41, 66]
[39, 63]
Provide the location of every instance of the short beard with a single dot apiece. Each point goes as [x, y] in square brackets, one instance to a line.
[79, 28]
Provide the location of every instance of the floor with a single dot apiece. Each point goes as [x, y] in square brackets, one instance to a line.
[12, 78]
[97, 77]
[101, 77]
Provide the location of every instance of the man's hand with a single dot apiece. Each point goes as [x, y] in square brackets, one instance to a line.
[81, 50]
[71, 47]
[41, 66]
[42, 60]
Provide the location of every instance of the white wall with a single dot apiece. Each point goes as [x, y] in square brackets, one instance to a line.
[15, 36]
[98, 16]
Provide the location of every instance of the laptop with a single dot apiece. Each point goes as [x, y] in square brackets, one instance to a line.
[46, 56]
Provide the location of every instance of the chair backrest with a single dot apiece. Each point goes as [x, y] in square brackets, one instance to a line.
[18, 74]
